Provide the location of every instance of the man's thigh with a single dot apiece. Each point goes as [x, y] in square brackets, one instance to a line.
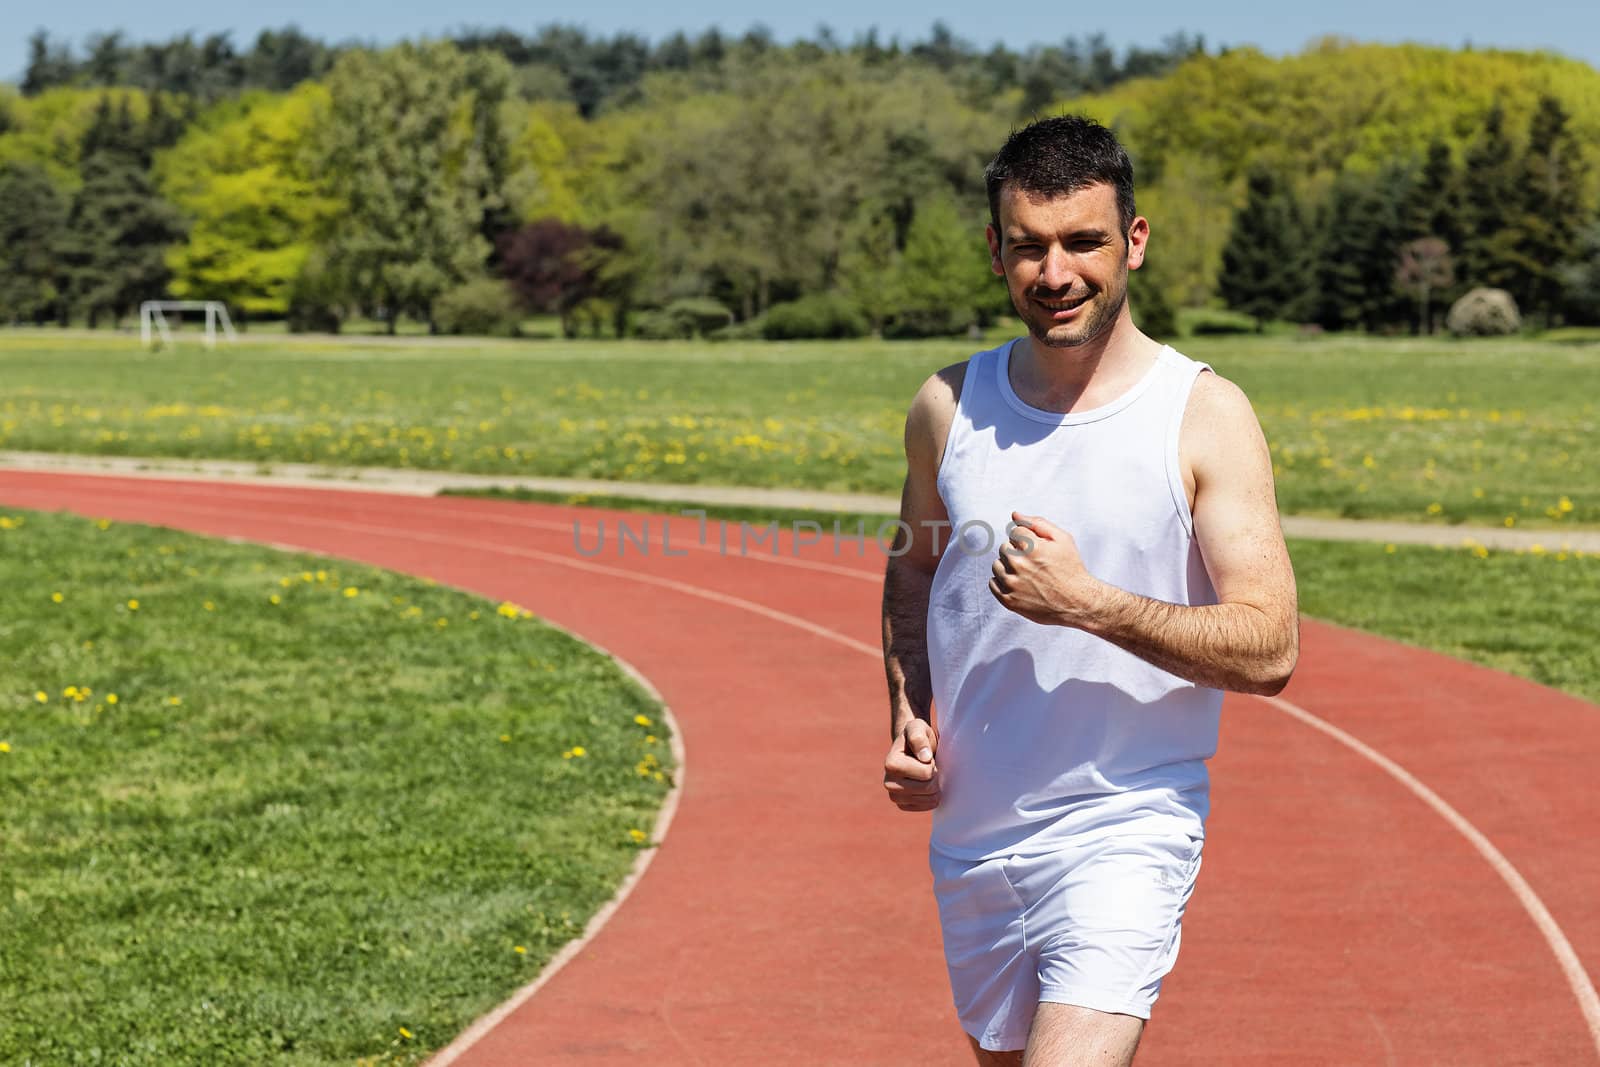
[1065, 1035]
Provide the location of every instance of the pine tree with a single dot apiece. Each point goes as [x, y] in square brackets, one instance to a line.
[32, 220]
[1489, 202]
[117, 235]
[1263, 263]
[1358, 253]
[1544, 233]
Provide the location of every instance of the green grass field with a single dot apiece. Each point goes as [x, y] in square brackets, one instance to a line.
[263, 807]
[1435, 430]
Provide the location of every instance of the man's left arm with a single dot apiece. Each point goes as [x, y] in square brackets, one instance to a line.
[1249, 641]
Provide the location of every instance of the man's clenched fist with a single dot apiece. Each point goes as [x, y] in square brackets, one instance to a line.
[909, 773]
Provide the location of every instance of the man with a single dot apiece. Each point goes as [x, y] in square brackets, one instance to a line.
[1094, 555]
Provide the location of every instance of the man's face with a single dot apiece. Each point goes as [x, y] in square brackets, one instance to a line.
[1066, 261]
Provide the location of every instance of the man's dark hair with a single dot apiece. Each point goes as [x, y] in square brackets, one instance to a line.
[1057, 157]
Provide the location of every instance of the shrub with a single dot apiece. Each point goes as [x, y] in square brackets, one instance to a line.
[825, 316]
[483, 306]
[1484, 312]
[1213, 322]
[930, 322]
[314, 305]
[700, 314]
[654, 325]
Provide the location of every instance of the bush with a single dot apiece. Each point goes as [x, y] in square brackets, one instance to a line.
[1218, 323]
[1484, 312]
[483, 306]
[659, 326]
[701, 314]
[823, 316]
[314, 305]
[930, 322]
[1152, 310]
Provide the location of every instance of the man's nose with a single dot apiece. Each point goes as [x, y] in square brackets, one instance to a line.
[1057, 272]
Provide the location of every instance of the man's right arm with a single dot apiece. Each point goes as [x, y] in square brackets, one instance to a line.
[910, 775]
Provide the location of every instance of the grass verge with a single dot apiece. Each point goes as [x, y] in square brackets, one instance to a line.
[1430, 430]
[263, 806]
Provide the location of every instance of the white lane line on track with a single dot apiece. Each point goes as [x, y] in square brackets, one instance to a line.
[478, 515]
[1572, 968]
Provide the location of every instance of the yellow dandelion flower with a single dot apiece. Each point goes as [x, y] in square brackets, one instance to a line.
[405, 1033]
[642, 720]
[649, 739]
[275, 599]
[473, 615]
[41, 696]
[505, 737]
[1564, 505]
[285, 582]
[306, 576]
[70, 691]
[1435, 507]
[1511, 520]
[579, 751]
[441, 623]
[508, 610]
[104, 524]
[351, 590]
[174, 701]
[638, 836]
[57, 597]
[133, 605]
[659, 776]
[322, 576]
[1477, 493]
[519, 950]
[5, 746]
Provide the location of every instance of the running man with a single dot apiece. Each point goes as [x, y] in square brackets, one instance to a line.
[1094, 556]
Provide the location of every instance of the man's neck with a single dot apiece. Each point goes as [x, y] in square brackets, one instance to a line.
[1083, 376]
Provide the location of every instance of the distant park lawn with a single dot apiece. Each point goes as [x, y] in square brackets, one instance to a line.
[263, 807]
[1489, 431]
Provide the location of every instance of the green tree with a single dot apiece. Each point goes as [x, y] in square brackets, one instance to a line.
[942, 283]
[1489, 204]
[1580, 276]
[243, 176]
[118, 233]
[1545, 232]
[1263, 263]
[1358, 253]
[32, 222]
[407, 144]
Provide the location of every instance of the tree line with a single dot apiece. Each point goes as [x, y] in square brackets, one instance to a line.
[1391, 248]
[812, 189]
[595, 71]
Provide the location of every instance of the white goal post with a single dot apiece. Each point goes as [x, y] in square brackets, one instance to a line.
[153, 320]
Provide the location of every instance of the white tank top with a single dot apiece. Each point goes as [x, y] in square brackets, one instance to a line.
[1046, 732]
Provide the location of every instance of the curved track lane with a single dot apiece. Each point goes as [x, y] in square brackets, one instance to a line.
[788, 919]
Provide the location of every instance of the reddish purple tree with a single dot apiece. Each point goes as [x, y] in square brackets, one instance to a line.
[554, 266]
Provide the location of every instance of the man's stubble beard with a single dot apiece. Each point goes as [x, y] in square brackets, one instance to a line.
[1098, 320]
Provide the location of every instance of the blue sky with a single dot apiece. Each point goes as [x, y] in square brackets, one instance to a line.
[1569, 27]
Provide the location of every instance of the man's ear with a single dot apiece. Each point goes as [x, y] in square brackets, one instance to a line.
[1138, 240]
[995, 263]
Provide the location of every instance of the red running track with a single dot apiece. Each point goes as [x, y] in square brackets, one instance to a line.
[1344, 916]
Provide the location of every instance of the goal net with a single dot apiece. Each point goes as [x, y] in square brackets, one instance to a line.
[153, 322]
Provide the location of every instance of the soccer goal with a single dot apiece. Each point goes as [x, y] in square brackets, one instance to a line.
[153, 320]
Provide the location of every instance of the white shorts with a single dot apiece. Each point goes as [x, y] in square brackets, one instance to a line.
[1095, 925]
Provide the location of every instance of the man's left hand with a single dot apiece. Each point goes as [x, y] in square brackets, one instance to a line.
[1040, 576]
